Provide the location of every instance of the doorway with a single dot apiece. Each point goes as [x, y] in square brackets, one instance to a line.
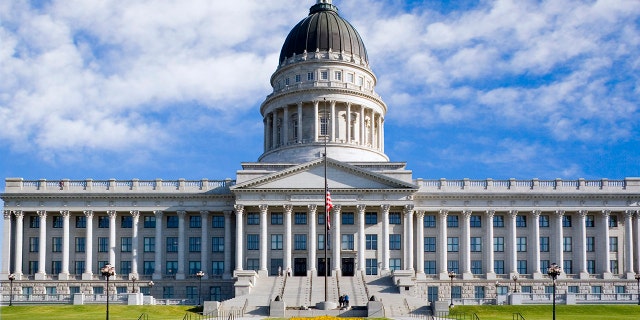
[321, 267]
[347, 267]
[299, 267]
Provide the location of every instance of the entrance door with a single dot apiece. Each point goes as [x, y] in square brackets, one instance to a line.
[347, 267]
[321, 267]
[299, 267]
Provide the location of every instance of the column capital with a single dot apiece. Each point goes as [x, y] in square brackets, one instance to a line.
[239, 208]
[629, 213]
[559, 213]
[263, 208]
[513, 213]
[7, 214]
[181, 213]
[408, 209]
[466, 213]
[385, 208]
[18, 213]
[112, 213]
[135, 213]
[490, 213]
[88, 213]
[42, 213]
[583, 213]
[312, 208]
[227, 213]
[443, 213]
[361, 208]
[288, 208]
[420, 214]
[606, 213]
[158, 213]
[64, 213]
[337, 208]
[204, 213]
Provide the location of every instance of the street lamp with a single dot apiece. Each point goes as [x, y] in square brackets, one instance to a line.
[108, 271]
[515, 283]
[133, 279]
[150, 284]
[451, 276]
[638, 279]
[553, 272]
[13, 277]
[199, 274]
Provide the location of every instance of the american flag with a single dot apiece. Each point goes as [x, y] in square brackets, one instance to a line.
[329, 206]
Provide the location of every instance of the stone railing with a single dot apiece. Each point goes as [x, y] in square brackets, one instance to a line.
[489, 185]
[19, 185]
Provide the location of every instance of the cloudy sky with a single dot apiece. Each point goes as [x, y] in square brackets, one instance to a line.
[171, 89]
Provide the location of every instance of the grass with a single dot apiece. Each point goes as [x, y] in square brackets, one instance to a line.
[544, 312]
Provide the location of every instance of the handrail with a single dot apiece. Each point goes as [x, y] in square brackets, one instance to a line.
[475, 316]
[143, 316]
[366, 287]
[517, 316]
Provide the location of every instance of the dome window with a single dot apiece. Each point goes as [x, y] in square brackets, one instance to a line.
[298, 78]
[324, 75]
[310, 76]
[338, 76]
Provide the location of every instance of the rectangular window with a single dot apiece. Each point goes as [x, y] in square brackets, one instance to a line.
[74, 290]
[149, 244]
[125, 244]
[347, 242]
[452, 221]
[371, 241]
[350, 77]
[149, 221]
[171, 267]
[276, 218]
[544, 221]
[567, 244]
[479, 292]
[522, 267]
[217, 268]
[430, 267]
[394, 218]
[395, 242]
[591, 266]
[591, 244]
[475, 221]
[56, 245]
[360, 81]
[103, 222]
[79, 267]
[347, 218]
[371, 267]
[192, 292]
[620, 289]
[298, 78]
[498, 221]
[300, 242]
[429, 221]
[167, 292]
[429, 244]
[613, 221]
[596, 289]
[395, 264]
[34, 244]
[217, 244]
[126, 222]
[195, 222]
[476, 244]
[172, 221]
[456, 292]
[613, 264]
[148, 267]
[300, 218]
[287, 82]
[80, 244]
[544, 265]
[567, 266]
[253, 264]
[453, 244]
[194, 267]
[172, 244]
[217, 222]
[253, 219]
[521, 244]
[498, 244]
[125, 267]
[573, 289]
[544, 244]
[310, 76]
[215, 293]
[613, 244]
[33, 267]
[321, 242]
[476, 266]
[253, 241]
[589, 221]
[103, 244]
[194, 244]
[81, 222]
[276, 264]
[521, 221]
[34, 222]
[276, 242]
[324, 75]
[338, 75]
[57, 222]
[498, 266]
[453, 265]
[566, 221]
[371, 218]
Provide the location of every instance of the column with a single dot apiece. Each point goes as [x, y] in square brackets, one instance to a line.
[17, 268]
[408, 236]
[333, 121]
[535, 246]
[628, 244]
[361, 237]
[420, 242]
[263, 237]
[466, 245]
[239, 236]
[288, 244]
[274, 125]
[112, 237]
[204, 243]
[382, 134]
[603, 250]
[349, 137]
[135, 214]
[312, 210]
[316, 121]
[379, 132]
[226, 272]
[265, 122]
[181, 274]
[157, 272]
[638, 241]
[442, 244]
[42, 249]
[88, 271]
[299, 140]
[582, 244]
[6, 248]
[513, 252]
[363, 132]
[64, 273]
[385, 237]
[285, 126]
[337, 245]
[557, 241]
[488, 246]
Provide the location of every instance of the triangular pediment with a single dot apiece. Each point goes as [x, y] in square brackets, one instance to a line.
[310, 175]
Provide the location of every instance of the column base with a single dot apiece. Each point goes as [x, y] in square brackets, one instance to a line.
[132, 275]
[538, 276]
[421, 276]
[263, 273]
[40, 276]
[63, 276]
[444, 276]
[584, 276]
[467, 276]
[87, 276]
[631, 276]
[491, 276]
[607, 275]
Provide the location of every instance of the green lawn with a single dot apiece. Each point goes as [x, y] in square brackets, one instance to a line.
[563, 312]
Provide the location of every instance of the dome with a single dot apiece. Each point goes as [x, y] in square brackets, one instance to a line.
[322, 30]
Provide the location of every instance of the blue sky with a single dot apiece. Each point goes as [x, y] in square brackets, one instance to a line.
[171, 89]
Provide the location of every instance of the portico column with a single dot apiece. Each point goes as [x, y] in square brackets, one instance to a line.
[226, 272]
[628, 244]
[17, 268]
[312, 210]
[42, 248]
[559, 239]
[135, 214]
[337, 244]
[112, 237]
[488, 246]
[263, 237]
[466, 245]
[385, 237]
[408, 213]
[88, 270]
[204, 243]
[638, 241]
[442, 244]
[239, 237]
[6, 248]
[361, 239]
[157, 272]
[513, 253]
[181, 275]
[287, 237]
[536, 244]
[420, 242]
[64, 274]
[604, 247]
[582, 244]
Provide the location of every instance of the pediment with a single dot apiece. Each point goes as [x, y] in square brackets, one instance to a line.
[310, 175]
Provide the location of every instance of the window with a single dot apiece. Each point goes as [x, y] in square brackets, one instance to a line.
[522, 266]
[34, 222]
[544, 265]
[300, 242]
[498, 244]
[566, 244]
[321, 242]
[217, 244]
[125, 267]
[350, 77]
[548, 289]
[371, 241]
[573, 289]
[360, 81]
[217, 222]
[172, 221]
[596, 289]
[194, 244]
[125, 244]
[453, 244]
[103, 244]
[475, 221]
[591, 244]
[544, 221]
[98, 290]
[476, 266]
[276, 264]
[74, 290]
[121, 290]
[476, 244]
[215, 294]
[394, 242]
[56, 245]
[149, 244]
[287, 82]
[171, 267]
[253, 264]
[276, 242]
[566, 221]
[126, 222]
[479, 292]
[34, 244]
[253, 241]
[371, 218]
[567, 266]
[103, 222]
[81, 222]
[430, 267]
[456, 292]
[429, 221]
[324, 75]
[194, 267]
[57, 222]
[217, 268]
[149, 267]
[429, 244]
[253, 219]
[298, 78]
[195, 222]
[394, 218]
[521, 221]
[310, 76]
[453, 265]
[613, 221]
[589, 221]
[172, 244]
[521, 245]
[347, 218]
[498, 221]
[544, 244]
[276, 218]
[620, 289]
[33, 267]
[591, 266]
[149, 222]
[498, 266]
[51, 290]
[452, 221]
[503, 290]
[167, 292]
[338, 75]
[80, 244]
[300, 218]
[395, 264]
[613, 244]
[613, 265]
[56, 267]
[371, 266]
[324, 125]
[347, 242]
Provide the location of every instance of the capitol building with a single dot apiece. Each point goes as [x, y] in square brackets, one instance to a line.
[391, 234]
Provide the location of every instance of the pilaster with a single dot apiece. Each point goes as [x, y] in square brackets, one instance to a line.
[181, 274]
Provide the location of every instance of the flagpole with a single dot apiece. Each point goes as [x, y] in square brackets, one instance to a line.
[326, 208]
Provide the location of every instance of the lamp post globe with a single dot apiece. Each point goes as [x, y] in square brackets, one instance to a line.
[11, 278]
[200, 274]
[108, 271]
[553, 272]
[452, 275]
